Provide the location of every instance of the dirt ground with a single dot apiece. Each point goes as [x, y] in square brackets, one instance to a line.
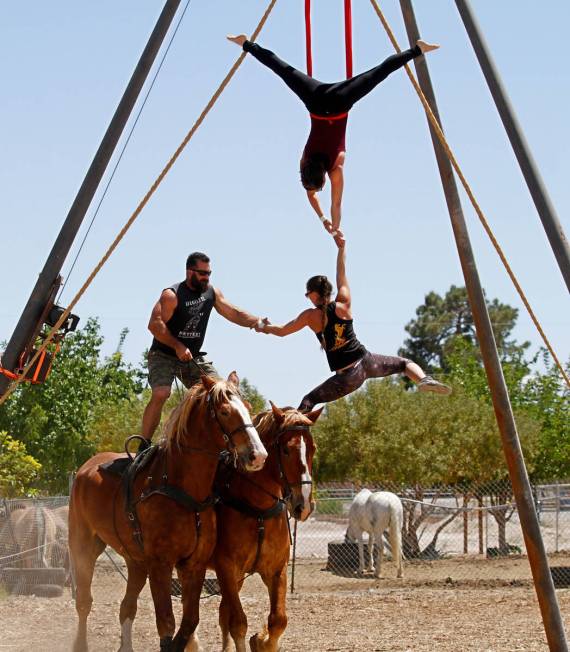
[435, 608]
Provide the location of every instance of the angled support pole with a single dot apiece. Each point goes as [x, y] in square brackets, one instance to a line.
[537, 189]
[29, 320]
[503, 412]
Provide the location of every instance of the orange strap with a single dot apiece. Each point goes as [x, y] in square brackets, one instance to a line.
[9, 374]
[38, 367]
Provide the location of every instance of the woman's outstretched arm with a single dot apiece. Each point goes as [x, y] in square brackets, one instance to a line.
[291, 327]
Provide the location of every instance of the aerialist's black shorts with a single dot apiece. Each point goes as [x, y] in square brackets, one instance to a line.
[372, 365]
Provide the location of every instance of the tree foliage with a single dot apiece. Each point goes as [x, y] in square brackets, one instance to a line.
[441, 321]
[253, 395]
[548, 402]
[383, 433]
[18, 469]
[54, 420]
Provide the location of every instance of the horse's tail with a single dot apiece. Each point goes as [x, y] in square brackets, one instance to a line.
[396, 522]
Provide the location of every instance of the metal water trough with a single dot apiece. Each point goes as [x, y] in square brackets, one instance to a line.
[560, 576]
[343, 557]
[42, 582]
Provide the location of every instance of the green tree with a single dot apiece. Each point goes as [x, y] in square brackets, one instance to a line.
[54, 419]
[253, 395]
[548, 402]
[440, 321]
[18, 470]
[387, 436]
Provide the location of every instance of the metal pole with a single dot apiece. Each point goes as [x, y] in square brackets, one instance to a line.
[32, 312]
[501, 403]
[544, 206]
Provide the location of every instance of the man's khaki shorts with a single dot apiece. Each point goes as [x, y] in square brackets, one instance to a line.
[164, 368]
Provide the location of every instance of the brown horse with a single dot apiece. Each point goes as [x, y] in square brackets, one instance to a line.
[253, 533]
[173, 514]
[31, 535]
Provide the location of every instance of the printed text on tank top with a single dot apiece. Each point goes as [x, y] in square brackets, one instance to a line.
[190, 318]
[341, 345]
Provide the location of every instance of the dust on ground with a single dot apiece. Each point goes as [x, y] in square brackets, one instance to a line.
[459, 605]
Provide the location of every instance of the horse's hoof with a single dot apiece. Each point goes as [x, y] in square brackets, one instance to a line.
[166, 644]
[253, 643]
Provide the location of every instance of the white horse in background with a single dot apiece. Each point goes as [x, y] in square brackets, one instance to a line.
[374, 513]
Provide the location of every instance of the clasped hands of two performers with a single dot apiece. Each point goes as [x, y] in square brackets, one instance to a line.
[338, 235]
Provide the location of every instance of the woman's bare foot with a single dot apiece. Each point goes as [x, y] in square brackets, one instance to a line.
[240, 39]
[426, 47]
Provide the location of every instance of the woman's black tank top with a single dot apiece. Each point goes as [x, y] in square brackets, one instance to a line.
[340, 342]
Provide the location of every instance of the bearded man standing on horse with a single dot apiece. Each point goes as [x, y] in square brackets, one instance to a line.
[178, 323]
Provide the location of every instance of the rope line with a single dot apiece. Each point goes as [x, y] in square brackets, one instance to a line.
[439, 132]
[51, 334]
[123, 149]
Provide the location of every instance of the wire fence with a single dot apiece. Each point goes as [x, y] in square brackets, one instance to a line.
[469, 534]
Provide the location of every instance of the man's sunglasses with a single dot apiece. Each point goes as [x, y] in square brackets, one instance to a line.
[201, 272]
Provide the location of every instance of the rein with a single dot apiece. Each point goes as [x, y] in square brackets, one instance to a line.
[288, 485]
[173, 492]
[280, 502]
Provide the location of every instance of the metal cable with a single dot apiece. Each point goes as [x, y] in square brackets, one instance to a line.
[127, 141]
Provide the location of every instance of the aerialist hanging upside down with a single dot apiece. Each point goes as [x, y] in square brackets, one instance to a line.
[347, 357]
[328, 105]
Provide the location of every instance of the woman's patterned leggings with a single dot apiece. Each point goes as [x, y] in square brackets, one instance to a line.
[372, 365]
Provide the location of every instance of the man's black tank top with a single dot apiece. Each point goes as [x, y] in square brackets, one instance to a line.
[190, 319]
[341, 344]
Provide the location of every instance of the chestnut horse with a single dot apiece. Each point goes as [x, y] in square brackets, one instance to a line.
[174, 530]
[253, 532]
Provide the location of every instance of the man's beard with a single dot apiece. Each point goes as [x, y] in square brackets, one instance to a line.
[200, 286]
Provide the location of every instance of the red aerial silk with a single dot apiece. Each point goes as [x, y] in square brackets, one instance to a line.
[347, 37]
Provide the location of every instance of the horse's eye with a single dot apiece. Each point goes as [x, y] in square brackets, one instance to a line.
[285, 450]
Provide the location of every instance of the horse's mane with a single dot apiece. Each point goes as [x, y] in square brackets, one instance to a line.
[191, 409]
[267, 426]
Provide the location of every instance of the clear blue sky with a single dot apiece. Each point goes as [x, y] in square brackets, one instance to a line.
[235, 191]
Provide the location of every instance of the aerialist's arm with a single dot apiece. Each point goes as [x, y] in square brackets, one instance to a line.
[316, 204]
[161, 313]
[302, 320]
[336, 175]
[343, 298]
[233, 313]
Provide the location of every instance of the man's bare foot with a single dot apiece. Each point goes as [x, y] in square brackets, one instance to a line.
[240, 39]
[426, 47]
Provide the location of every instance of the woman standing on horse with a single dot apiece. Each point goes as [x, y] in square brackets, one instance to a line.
[328, 105]
[351, 362]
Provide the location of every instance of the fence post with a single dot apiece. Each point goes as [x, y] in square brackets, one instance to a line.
[557, 516]
[480, 523]
[465, 525]
[486, 529]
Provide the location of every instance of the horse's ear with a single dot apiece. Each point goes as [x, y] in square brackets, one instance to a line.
[208, 382]
[277, 413]
[315, 414]
[233, 378]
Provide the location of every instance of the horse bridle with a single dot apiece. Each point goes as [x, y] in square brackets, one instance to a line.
[288, 486]
[228, 436]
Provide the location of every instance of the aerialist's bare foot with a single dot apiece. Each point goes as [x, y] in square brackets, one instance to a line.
[240, 39]
[426, 47]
